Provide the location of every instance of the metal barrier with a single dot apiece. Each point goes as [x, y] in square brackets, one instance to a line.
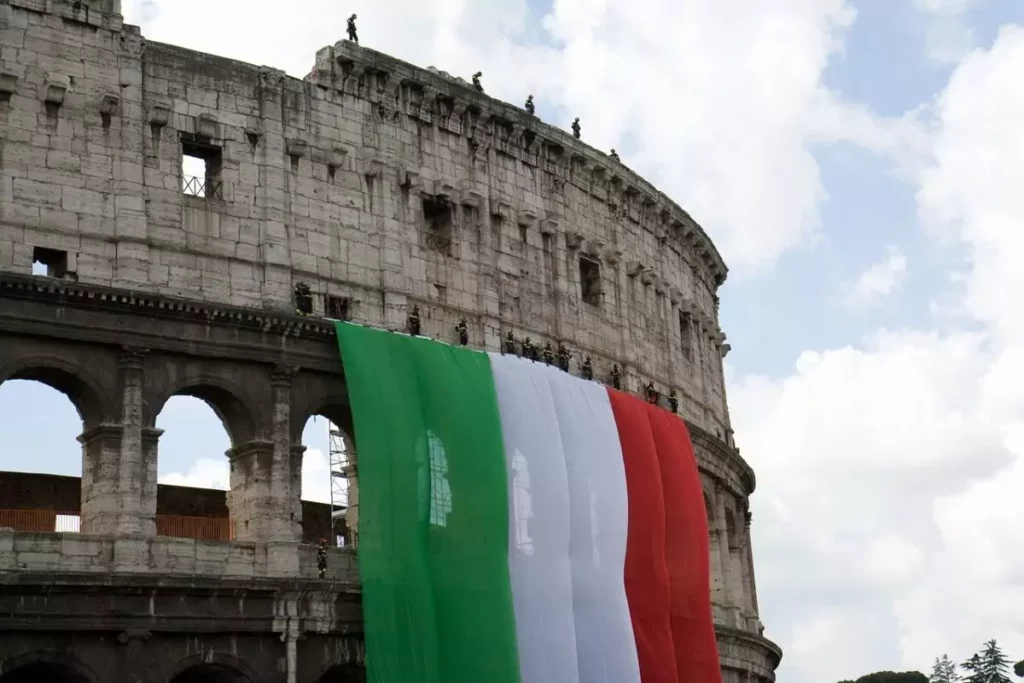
[200, 528]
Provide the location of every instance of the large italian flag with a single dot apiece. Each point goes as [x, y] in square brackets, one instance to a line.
[519, 524]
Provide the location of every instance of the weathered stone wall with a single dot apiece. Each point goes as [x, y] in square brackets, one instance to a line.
[331, 181]
[379, 185]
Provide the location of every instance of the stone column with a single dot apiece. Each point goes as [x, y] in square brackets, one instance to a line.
[295, 464]
[731, 600]
[717, 579]
[750, 587]
[119, 464]
[352, 512]
[263, 501]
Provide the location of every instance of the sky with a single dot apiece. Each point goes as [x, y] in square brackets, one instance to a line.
[860, 166]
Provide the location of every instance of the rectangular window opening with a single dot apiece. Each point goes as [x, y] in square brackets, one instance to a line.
[337, 307]
[685, 336]
[438, 221]
[590, 281]
[200, 169]
[50, 262]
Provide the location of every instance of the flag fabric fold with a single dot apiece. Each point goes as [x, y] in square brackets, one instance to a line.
[519, 524]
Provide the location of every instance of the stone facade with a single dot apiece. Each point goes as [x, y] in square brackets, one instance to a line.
[376, 185]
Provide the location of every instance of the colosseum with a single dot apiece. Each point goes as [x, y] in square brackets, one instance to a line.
[370, 190]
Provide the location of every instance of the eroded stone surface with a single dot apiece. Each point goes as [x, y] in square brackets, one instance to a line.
[378, 185]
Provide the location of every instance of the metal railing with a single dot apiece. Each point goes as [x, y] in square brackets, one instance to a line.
[199, 528]
[198, 186]
[439, 243]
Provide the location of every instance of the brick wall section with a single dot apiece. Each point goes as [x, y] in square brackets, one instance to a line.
[323, 181]
[29, 491]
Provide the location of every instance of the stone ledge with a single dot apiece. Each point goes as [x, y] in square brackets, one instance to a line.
[723, 454]
[71, 553]
[747, 652]
[159, 305]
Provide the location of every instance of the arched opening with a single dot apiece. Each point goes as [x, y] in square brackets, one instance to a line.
[328, 481]
[43, 672]
[343, 673]
[43, 411]
[211, 673]
[193, 471]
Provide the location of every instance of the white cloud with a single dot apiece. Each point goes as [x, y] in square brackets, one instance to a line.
[948, 36]
[316, 476]
[893, 470]
[204, 473]
[878, 281]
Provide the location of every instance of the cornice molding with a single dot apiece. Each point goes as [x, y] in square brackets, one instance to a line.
[159, 305]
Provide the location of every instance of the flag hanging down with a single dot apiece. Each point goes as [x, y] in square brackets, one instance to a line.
[519, 524]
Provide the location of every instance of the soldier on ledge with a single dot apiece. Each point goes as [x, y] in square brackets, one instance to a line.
[321, 558]
[673, 401]
[588, 369]
[616, 377]
[529, 105]
[414, 321]
[563, 357]
[476, 81]
[576, 128]
[652, 393]
[352, 29]
[510, 344]
[462, 332]
[614, 155]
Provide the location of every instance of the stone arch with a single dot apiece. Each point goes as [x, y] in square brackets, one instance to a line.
[227, 400]
[730, 526]
[334, 407]
[210, 668]
[87, 393]
[45, 665]
[709, 508]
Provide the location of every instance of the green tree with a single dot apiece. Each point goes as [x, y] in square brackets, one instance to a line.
[944, 671]
[988, 666]
[1018, 668]
[892, 677]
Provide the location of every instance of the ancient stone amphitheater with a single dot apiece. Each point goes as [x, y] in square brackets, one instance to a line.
[365, 191]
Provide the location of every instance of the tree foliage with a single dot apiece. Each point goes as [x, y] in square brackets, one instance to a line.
[944, 671]
[1018, 668]
[892, 677]
[988, 666]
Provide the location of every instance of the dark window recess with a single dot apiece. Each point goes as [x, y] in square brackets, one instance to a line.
[686, 335]
[51, 263]
[438, 221]
[337, 307]
[303, 299]
[201, 165]
[590, 281]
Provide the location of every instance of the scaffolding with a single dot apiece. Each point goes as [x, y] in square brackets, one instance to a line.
[339, 469]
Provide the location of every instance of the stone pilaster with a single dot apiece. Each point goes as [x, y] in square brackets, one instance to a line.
[263, 502]
[750, 585]
[730, 596]
[717, 580]
[119, 464]
[295, 465]
[351, 472]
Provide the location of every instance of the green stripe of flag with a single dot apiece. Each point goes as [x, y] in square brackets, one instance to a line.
[433, 509]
